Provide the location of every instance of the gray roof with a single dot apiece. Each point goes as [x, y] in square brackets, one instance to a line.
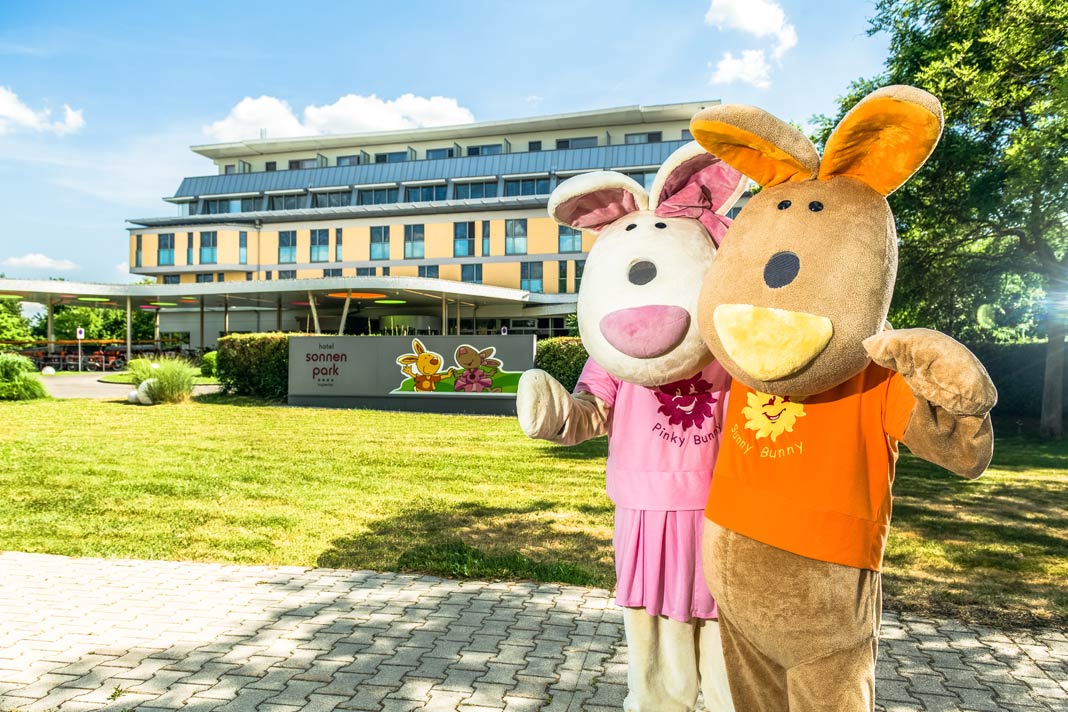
[601, 157]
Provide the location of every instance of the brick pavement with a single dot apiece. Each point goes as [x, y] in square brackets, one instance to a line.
[90, 634]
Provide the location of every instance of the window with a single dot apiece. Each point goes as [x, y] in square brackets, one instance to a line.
[644, 178]
[570, 239]
[485, 189]
[348, 160]
[230, 169]
[485, 238]
[221, 277]
[429, 271]
[337, 245]
[534, 146]
[332, 272]
[206, 277]
[463, 239]
[648, 137]
[377, 196]
[471, 273]
[392, 157]
[424, 193]
[242, 247]
[270, 166]
[492, 149]
[189, 248]
[300, 164]
[583, 142]
[526, 186]
[165, 254]
[385, 271]
[733, 212]
[287, 274]
[515, 237]
[686, 135]
[230, 205]
[172, 279]
[562, 284]
[432, 153]
[268, 274]
[332, 199]
[320, 246]
[530, 276]
[365, 271]
[287, 248]
[137, 252]
[285, 202]
[248, 276]
[413, 242]
[208, 248]
[380, 243]
[579, 266]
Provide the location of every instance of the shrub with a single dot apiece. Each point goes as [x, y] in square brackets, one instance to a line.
[254, 365]
[208, 363]
[562, 358]
[140, 370]
[18, 379]
[173, 380]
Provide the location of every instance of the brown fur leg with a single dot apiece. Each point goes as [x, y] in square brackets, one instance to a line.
[843, 681]
[757, 683]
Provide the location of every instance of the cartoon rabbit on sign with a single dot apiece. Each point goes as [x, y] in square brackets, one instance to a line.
[652, 385]
[427, 365]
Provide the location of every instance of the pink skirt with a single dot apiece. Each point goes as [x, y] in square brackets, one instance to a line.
[658, 563]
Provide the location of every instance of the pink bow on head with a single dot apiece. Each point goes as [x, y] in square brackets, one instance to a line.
[695, 201]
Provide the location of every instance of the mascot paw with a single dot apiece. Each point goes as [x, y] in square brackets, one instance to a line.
[541, 404]
[939, 369]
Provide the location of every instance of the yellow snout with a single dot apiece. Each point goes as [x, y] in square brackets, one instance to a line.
[770, 344]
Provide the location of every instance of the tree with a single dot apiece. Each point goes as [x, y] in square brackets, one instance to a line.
[13, 326]
[984, 226]
[98, 322]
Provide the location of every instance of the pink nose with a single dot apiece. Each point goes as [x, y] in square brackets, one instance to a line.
[646, 332]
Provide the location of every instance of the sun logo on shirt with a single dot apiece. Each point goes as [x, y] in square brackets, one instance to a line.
[771, 415]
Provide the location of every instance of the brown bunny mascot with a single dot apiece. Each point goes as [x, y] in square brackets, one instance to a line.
[794, 307]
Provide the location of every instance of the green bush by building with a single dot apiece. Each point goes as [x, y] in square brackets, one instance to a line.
[18, 379]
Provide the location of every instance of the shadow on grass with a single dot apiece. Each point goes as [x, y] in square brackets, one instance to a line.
[220, 398]
[471, 540]
[991, 551]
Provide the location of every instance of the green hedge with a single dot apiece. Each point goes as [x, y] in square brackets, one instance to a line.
[18, 379]
[563, 358]
[1018, 371]
[254, 365]
[208, 362]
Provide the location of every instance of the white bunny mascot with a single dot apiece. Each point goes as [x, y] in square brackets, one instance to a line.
[652, 385]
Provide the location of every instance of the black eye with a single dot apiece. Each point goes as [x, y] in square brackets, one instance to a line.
[660, 226]
[642, 272]
[784, 204]
[632, 226]
[815, 206]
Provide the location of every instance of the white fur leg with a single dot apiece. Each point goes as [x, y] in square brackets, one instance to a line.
[714, 686]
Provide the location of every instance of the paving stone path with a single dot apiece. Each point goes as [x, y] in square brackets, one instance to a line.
[90, 634]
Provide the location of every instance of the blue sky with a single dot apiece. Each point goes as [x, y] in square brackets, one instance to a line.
[99, 101]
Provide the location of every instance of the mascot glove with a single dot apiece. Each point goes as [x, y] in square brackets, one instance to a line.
[548, 412]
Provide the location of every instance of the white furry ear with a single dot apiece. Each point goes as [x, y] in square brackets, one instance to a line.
[692, 166]
[592, 201]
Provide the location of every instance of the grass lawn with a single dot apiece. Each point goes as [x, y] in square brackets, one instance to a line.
[125, 377]
[225, 479]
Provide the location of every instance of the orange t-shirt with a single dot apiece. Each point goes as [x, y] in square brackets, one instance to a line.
[812, 475]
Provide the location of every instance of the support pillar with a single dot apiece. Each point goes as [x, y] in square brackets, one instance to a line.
[155, 329]
[344, 312]
[129, 330]
[459, 306]
[444, 315]
[226, 315]
[52, 332]
[278, 316]
[203, 346]
[314, 312]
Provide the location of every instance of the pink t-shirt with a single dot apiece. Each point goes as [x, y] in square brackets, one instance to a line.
[662, 441]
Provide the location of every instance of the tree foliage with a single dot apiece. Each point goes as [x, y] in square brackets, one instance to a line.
[98, 322]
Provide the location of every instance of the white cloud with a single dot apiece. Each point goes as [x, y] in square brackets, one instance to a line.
[350, 114]
[35, 260]
[751, 68]
[534, 99]
[760, 18]
[123, 268]
[15, 115]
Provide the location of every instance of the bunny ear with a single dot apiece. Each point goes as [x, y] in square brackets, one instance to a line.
[417, 346]
[693, 183]
[765, 148]
[885, 138]
[592, 201]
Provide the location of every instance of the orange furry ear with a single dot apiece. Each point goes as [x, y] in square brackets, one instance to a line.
[885, 138]
[761, 146]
